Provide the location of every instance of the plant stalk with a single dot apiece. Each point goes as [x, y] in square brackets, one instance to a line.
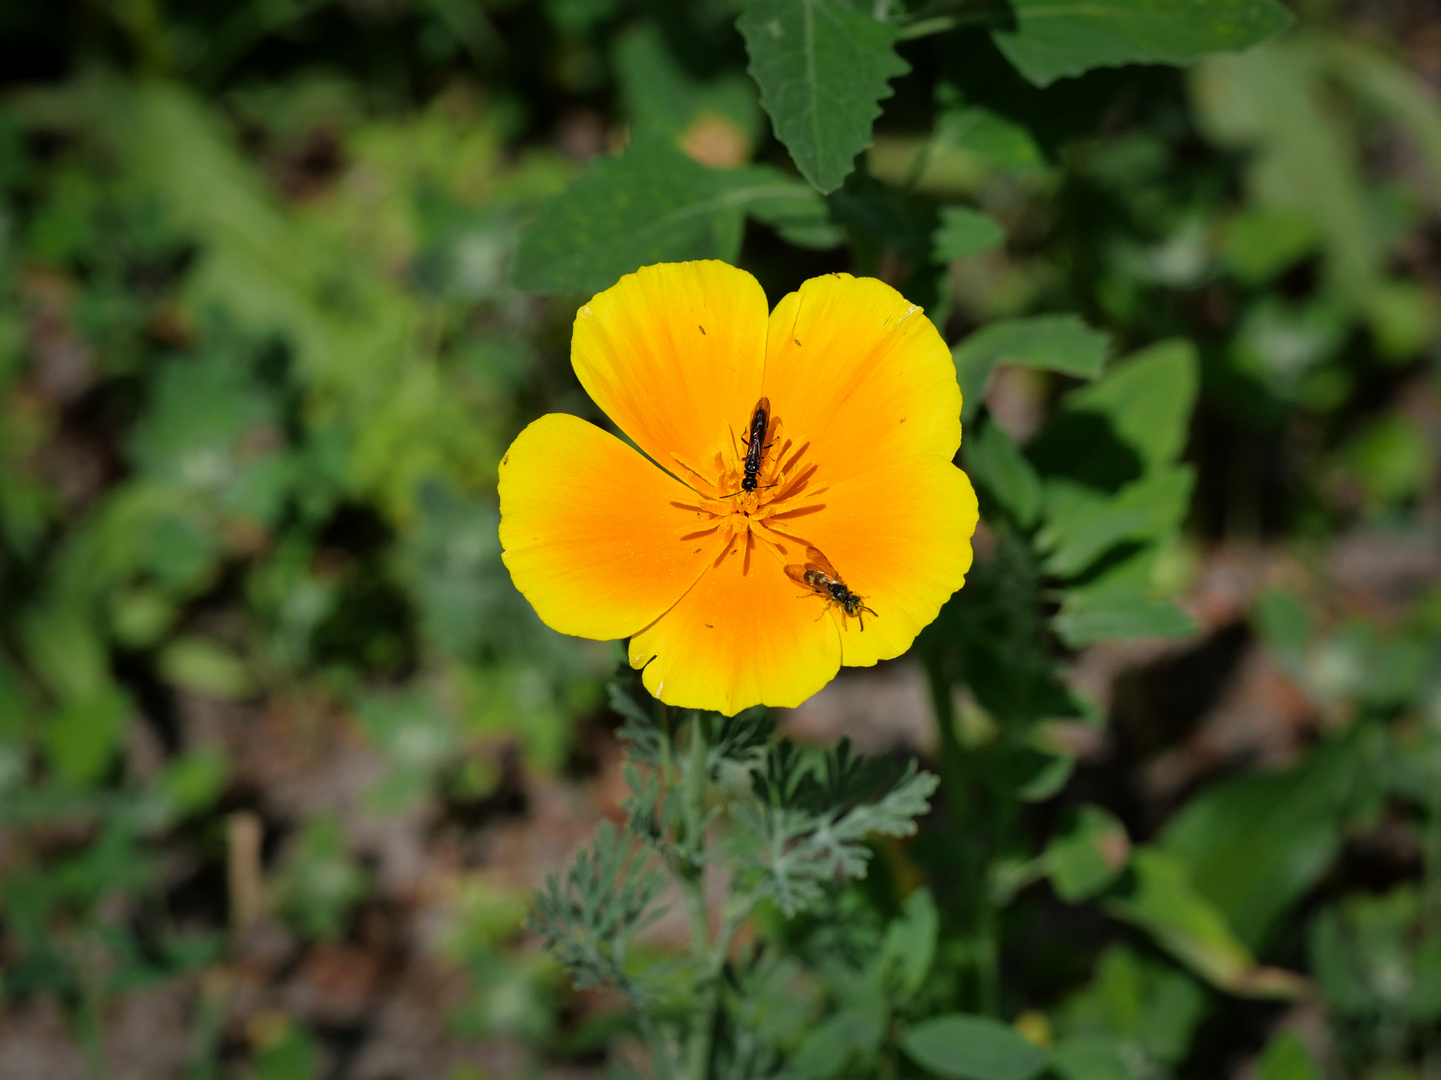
[692, 881]
[961, 793]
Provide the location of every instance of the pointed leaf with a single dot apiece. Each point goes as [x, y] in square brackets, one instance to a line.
[822, 69]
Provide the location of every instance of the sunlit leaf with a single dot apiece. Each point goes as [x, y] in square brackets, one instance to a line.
[651, 204]
[822, 68]
[1060, 343]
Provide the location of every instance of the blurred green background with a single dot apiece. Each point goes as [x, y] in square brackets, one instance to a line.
[283, 753]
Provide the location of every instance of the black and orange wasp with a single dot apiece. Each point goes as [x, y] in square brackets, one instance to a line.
[818, 575]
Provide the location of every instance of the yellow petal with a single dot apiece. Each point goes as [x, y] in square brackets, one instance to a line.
[593, 533]
[674, 354]
[740, 637]
[901, 539]
[861, 374]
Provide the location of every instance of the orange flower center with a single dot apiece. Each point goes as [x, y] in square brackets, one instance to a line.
[786, 493]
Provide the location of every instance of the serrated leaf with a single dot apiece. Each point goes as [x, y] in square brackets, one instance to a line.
[1061, 343]
[822, 69]
[651, 204]
[1056, 38]
[964, 232]
[972, 1048]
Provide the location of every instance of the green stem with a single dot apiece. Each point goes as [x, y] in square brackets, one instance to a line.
[659, 1053]
[962, 788]
[692, 881]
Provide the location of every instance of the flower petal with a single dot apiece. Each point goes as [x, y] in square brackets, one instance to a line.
[861, 374]
[901, 539]
[740, 637]
[674, 354]
[591, 531]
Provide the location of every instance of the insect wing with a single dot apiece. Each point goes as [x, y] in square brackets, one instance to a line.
[797, 572]
[761, 413]
[816, 560]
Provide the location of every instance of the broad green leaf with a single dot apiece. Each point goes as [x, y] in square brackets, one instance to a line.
[1083, 523]
[822, 69]
[1161, 899]
[1085, 860]
[1259, 243]
[990, 135]
[1257, 844]
[194, 780]
[651, 204]
[1088, 616]
[1286, 1058]
[857, 1029]
[1148, 397]
[204, 667]
[972, 1048]
[1091, 1057]
[997, 465]
[1061, 343]
[964, 232]
[83, 736]
[796, 212]
[1056, 38]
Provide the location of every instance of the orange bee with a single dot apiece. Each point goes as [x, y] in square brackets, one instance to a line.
[818, 575]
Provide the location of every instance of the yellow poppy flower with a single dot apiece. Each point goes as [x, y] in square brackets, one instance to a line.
[733, 597]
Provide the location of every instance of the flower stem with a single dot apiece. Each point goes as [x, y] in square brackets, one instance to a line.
[692, 882]
[962, 787]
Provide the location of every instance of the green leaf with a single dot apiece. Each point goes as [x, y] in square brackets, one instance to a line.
[972, 1048]
[1087, 616]
[1148, 398]
[1257, 844]
[204, 667]
[651, 204]
[822, 69]
[1082, 524]
[1090, 1057]
[964, 232]
[83, 736]
[1259, 243]
[1061, 343]
[1084, 861]
[989, 135]
[997, 465]
[909, 946]
[1056, 38]
[1161, 899]
[1286, 1058]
